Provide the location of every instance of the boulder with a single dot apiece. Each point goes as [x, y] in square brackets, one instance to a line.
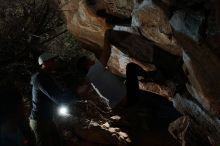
[199, 122]
[147, 41]
[202, 68]
[118, 61]
[162, 90]
[154, 25]
[187, 132]
[189, 23]
[83, 23]
[134, 45]
[119, 8]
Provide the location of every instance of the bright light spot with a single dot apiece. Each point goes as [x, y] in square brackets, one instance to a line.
[63, 111]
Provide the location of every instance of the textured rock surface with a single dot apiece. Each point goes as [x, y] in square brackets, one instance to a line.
[188, 23]
[119, 8]
[164, 91]
[154, 25]
[118, 61]
[202, 69]
[84, 24]
[187, 132]
[90, 120]
[134, 45]
[135, 41]
[202, 121]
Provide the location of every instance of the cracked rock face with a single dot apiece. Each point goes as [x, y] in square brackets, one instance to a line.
[186, 132]
[150, 26]
[119, 8]
[154, 25]
[149, 29]
[188, 23]
[84, 24]
[197, 123]
[202, 69]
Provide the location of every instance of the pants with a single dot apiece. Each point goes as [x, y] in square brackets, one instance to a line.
[160, 109]
[46, 133]
[132, 83]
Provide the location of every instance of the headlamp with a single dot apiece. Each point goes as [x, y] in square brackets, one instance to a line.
[63, 111]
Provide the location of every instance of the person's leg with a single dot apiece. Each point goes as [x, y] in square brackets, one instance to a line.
[132, 83]
[55, 137]
[45, 133]
[132, 72]
[33, 125]
[40, 133]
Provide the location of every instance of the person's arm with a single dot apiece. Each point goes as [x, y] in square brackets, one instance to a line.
[84, 91]
[50, 89]
[107, 49]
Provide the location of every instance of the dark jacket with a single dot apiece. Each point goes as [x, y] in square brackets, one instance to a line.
[45, 95]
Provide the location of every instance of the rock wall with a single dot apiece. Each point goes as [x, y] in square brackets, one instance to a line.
[90, 28]
[167, 35]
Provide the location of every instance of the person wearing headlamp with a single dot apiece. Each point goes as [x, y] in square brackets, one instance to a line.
[45, 96]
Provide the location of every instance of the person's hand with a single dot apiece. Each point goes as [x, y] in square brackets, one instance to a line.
[83, 91]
